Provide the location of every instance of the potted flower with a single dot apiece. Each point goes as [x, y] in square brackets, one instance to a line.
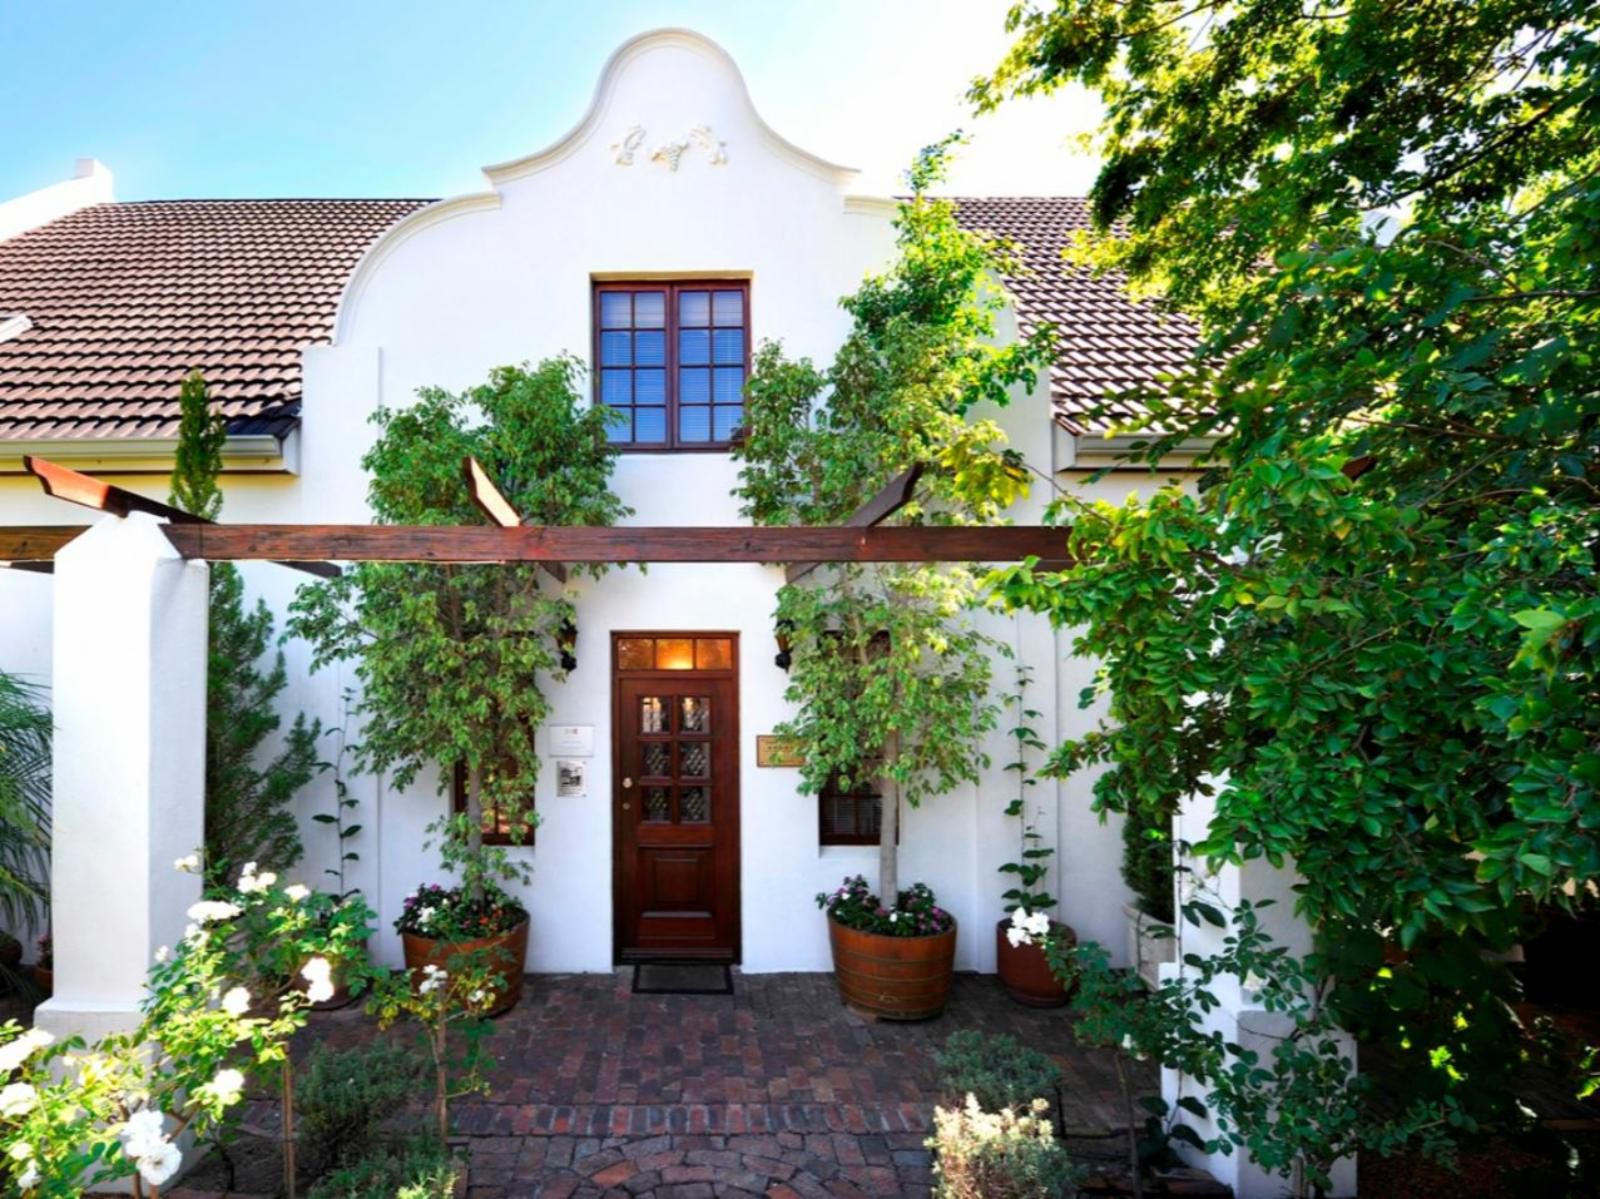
[44, 968]
[892, 962]
[1019, 959]
[450, 656]
[441, 927]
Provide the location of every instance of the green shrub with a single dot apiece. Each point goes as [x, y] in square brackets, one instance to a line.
[1147, 861]
[422, 1168]
[998, 1155]
[345, 1096]
[997, 1070]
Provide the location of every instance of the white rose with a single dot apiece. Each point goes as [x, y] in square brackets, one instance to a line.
[297, 891]
[163, 954]
[226, 1087]
[188, 865]
[142, 1132]
[14, 1053]
[209, 911]
[20, 1152]
[160, 1163]
[29, 1178]
[17, 1100]
[236, 1002]
[318, 972]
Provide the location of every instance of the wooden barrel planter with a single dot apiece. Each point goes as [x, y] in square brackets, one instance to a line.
[1024, 971]
[507, 956]
[893, 978]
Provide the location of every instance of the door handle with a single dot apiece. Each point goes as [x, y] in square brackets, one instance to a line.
[627, 784]
[627, 807]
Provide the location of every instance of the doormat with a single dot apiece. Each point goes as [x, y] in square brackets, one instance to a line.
[682, 978]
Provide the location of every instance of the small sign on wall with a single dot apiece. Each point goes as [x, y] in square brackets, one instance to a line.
[571, 779]
[772, 750]
[572, 740]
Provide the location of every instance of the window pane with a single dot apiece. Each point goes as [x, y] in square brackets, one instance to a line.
[620, 428]
[694, 424]
[694, 759]
[728, 345]
[674, 653]
[655, 759]
[635, 653]
[614, 349]
[694, 387]
[694, 346]
[694, 308]
[713, 653]
[724, 425]
[729, 385]
[650, 349]
[650, 310]
[728, 308]
[650, 425]
[649, 387]
[657, 804]
[614, 309]
[616, 387]
[694, 805]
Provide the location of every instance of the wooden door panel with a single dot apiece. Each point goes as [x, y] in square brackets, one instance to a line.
[676, 812]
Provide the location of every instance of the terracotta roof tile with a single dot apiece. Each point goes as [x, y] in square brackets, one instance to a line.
[1106, 340]
[126, 298]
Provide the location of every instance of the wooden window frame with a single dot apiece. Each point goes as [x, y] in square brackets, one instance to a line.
[458, 805]
[859, 795]
[672, 288]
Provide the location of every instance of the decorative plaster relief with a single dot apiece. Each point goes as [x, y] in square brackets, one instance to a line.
[669, 154]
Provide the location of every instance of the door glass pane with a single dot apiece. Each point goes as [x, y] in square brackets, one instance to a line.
[674, 653]
[652, 714]
[694, 805]
[635, 653]
[657, 803]
[694, 347]
[694, 424]
[694, 308]
[727, 308]
[614, 309]
[713, 653]
[650, 310]
[695, 714]
[694, 759]
[655, 759]
[650, 425]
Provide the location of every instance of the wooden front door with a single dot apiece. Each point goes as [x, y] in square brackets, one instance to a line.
[676, 796]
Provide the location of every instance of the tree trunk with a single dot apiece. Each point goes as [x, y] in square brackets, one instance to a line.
[888, 850]
[475, 831]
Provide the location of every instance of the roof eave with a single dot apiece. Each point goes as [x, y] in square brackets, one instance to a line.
[248, 453]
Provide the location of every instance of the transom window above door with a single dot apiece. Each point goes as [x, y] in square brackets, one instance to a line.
[671, 359]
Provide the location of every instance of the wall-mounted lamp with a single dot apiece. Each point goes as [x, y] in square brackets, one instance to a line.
[567, 642]
[782, 633]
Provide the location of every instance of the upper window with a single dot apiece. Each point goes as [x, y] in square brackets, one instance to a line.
[672, 359]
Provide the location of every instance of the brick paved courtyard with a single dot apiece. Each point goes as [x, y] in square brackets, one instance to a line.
[775, 1090]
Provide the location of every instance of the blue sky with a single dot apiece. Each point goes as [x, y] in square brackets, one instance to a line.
[362, 98]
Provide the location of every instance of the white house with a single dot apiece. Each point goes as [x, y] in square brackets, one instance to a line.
[664, 236]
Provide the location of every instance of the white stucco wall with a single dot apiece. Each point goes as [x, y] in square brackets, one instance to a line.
[506, 277]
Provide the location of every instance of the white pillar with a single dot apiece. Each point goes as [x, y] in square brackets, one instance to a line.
[1239, 1017]
[129, 766]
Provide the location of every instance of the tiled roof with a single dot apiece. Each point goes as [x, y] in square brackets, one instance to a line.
[1106, 340]
[125, 299]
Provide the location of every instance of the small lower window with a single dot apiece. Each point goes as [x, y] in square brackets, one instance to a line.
[849, 816]
[496, 828]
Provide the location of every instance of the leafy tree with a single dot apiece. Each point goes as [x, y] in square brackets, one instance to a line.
[449, 655]
[891, 679]
[24, 804]
[248, 816]
[1373, 630]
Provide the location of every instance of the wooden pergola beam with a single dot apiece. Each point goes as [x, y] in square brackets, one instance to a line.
[488, 499]
[435, 543]
[75, 487]
[35, 544]
[894, 496]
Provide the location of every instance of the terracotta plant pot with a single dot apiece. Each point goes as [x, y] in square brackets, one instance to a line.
[1025, 972]
[45, 979]
[893, 978]
[508, 955]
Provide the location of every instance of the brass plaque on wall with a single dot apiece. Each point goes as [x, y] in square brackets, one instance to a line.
[772, 750]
